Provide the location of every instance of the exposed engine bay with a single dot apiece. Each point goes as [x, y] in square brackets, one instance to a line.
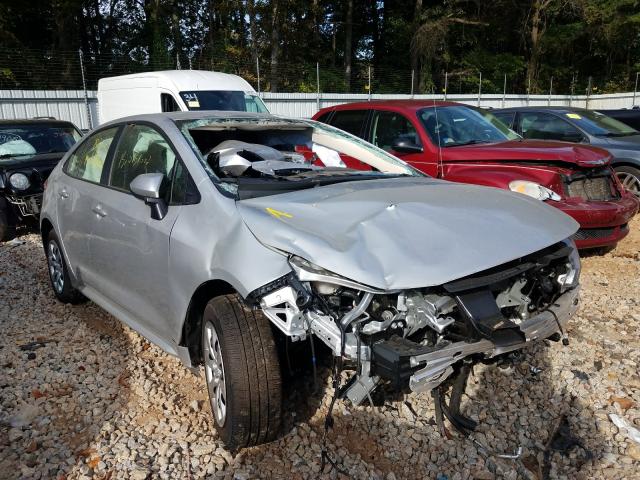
[426, 339]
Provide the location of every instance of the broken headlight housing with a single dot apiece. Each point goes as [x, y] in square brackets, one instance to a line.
[533, 189]
[324, 281]
[571, 277]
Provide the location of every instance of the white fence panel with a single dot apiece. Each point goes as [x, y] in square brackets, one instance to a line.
[70, 104]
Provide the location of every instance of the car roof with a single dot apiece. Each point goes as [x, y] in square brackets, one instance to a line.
[552, 108]
[412, 104]
[197, 115]
[35, 121]
[182, 80]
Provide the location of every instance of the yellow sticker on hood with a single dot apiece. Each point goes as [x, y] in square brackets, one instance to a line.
[574, 115]
[277, 213]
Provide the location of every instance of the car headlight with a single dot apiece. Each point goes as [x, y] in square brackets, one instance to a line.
[19, 181]
[571, 277]
[533, 189]
[324, 281]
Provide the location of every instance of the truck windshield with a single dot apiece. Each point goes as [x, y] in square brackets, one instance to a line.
[457, 125]
[595, 123]
[228, 100]
[33, 139]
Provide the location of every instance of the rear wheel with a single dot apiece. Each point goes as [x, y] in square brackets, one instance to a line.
[630, 178]
[58, 272]
[242, 372]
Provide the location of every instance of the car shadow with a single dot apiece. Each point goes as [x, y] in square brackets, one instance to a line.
[531, 405]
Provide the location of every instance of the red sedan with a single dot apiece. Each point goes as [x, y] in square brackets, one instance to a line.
[464, 144]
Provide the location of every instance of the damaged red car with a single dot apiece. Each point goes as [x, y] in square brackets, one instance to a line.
[464, 144]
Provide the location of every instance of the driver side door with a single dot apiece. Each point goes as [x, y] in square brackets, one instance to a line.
[130, 250]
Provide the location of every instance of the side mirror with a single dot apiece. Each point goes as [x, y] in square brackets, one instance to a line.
[402, 145]
[148, 187]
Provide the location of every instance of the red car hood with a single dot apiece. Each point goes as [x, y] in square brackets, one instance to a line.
[529, 150]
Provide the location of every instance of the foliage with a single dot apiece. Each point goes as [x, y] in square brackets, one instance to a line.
[532, 42]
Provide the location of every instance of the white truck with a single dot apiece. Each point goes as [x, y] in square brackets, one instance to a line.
[173, 91]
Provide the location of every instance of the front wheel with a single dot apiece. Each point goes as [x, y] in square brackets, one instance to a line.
[242, 372]
[58, 272]
[630, 178]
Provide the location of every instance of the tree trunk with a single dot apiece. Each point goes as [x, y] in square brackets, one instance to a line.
[348, 47]
[415, 64]
[251, 10]
[275, 45]
[536, 33]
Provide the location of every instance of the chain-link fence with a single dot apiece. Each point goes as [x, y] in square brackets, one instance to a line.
[45, 70]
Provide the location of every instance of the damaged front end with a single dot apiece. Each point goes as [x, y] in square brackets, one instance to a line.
[416, 339]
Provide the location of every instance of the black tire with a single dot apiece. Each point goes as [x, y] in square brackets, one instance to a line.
[629, 177]
[7, 232]
[60, 280]
[250, 376]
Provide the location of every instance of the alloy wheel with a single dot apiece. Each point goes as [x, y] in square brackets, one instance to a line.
[56, 268]
[214, 370]
[630, 182]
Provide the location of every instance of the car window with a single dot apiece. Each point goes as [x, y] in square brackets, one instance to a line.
[390, 127]
[545, 126]
[350, 121]
[505, 117]
[226, 100]
[141, 149]
[183, 189]
[169, 103]
[325, 117]
[88, 160]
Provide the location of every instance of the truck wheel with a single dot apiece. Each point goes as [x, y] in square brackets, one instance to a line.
[58, 272]
[242, 372]
[7, 232]
[630, 178]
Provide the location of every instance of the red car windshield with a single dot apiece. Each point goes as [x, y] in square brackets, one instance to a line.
[457, 125]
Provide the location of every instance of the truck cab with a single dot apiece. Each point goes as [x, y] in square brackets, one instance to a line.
[175, 91]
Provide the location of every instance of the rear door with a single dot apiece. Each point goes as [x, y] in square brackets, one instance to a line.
[130, 250]
[82, 175]
[353, 122]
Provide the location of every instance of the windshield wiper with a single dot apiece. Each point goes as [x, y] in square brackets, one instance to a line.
[10, 155]
[617, 134]
[469, 142]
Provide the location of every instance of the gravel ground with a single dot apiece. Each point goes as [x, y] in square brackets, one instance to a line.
[93, 399]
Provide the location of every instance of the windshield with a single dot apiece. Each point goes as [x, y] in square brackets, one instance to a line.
[223, 100]
[283, 154]
[457, 125]
[23, 140]
[595, 123]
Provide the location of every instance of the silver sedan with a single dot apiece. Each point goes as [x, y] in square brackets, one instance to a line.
[223, 236]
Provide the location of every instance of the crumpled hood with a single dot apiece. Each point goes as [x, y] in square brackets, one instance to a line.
[405, 232]
[529, 150]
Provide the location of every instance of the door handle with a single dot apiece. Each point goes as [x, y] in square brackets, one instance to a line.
[63, 193]
[99, 211]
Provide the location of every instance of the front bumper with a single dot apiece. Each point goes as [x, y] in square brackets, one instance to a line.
[438, 365]
[602, 223]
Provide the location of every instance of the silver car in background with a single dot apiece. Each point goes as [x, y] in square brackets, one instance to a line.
[214, 234]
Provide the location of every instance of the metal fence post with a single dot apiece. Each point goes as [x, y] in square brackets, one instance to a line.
[550, 91]
[370, 83]
[84, 87]
[504, 89]
[635, 88]
[528, 89]
[258, 72]
[479, 88]
[573, 83]
[586, 101]
[413, 72]
[446, 84]
[318, 85]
